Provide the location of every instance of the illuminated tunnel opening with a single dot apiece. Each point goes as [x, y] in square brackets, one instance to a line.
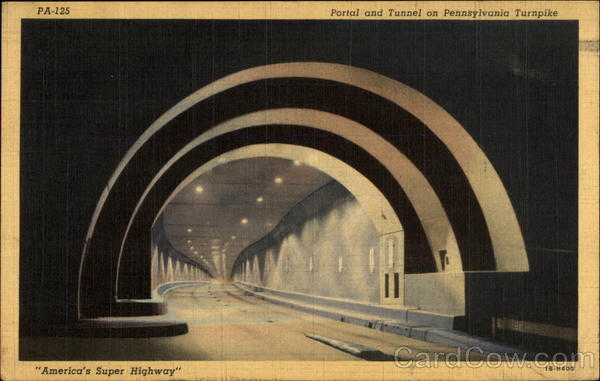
[233, 205]
[300, 228]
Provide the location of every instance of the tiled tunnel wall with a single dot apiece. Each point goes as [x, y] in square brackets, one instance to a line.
[169, 265]
[325, 246]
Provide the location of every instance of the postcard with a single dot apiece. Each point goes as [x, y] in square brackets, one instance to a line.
[300, 190]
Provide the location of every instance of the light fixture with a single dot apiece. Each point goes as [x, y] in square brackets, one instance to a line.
[189, 230]
[199, 189]
[244, 221]
[233, 237]
[191, 247]
[297, 163]
[278, 180]
[259, 199]
[189, 241]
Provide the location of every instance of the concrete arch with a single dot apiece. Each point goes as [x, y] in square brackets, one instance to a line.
[504, 229]
[502, 240]
[428, 207]
[367, 194]
[300, 135]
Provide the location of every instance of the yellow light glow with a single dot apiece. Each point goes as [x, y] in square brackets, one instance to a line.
[244, 221]
[278, 180]
[199, 189]
[189, 230]
[259, 199]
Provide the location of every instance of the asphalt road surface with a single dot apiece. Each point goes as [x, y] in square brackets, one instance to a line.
[226, 325]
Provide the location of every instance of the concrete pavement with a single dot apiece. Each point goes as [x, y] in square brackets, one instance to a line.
[225, 324]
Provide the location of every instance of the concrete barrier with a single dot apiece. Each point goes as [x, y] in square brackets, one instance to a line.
[418, 328]
[410, 315]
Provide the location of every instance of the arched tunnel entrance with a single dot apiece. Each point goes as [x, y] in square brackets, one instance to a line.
[426, 186]
[262, 193]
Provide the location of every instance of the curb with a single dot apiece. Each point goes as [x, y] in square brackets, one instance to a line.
[426, 333]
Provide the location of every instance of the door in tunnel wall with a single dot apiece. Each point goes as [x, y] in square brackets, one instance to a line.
[392, 268]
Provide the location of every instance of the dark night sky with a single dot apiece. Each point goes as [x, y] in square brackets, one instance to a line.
[90, 88]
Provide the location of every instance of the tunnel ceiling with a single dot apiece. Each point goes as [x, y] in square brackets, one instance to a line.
[235, 204]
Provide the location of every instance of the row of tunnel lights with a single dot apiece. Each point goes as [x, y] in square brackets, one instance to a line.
[199, 189]
[277, 180]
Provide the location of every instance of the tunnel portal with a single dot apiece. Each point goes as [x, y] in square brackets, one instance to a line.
[373, 148]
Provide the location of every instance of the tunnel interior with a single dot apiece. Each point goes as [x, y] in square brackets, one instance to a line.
[231, 206]
[297, 227]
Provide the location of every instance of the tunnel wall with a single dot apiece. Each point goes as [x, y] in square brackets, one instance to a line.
[327, 227]
[168, 264]
[436, 292]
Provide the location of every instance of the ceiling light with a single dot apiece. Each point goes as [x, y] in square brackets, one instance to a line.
[195, 252]
[278, 180]
[232, 237]
[189, 230]
[199, 189]
[297, 163]
[244, 221]
[191, 247]
[259, 199]
[189, 241]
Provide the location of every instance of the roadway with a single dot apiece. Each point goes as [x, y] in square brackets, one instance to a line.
[226, 325]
